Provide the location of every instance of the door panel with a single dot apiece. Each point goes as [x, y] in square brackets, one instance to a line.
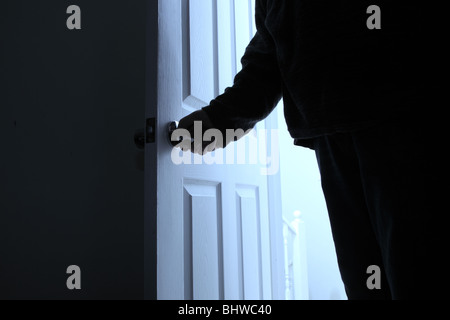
[202, 50]
[203, 240]
[248, 211]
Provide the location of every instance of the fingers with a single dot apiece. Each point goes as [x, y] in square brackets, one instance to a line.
[198, 116]
[197, 122]
[202, 147]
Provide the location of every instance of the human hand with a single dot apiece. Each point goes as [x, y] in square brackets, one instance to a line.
[192, 128]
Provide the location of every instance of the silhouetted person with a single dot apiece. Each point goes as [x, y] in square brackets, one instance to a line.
[356, 97]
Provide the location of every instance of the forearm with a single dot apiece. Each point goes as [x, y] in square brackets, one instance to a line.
[257, 87]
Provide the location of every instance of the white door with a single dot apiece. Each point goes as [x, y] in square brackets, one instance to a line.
[215, 236]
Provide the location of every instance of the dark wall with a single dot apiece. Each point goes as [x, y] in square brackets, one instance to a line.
[71, 179]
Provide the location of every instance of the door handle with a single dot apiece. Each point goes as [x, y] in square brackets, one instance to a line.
[147, 135]
[172, 127]
[139, 139]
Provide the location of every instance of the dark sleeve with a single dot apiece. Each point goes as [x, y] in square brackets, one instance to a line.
[257, 87]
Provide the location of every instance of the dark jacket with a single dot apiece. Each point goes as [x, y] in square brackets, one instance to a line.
[334, 74]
